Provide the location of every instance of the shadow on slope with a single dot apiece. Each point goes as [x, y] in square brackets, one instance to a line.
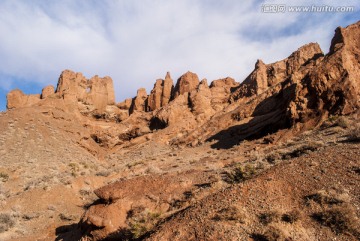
[256, 128]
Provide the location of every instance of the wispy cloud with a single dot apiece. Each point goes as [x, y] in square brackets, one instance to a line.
[136, 42]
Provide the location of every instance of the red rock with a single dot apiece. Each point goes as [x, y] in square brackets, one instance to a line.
[186, 83]
[47, 91]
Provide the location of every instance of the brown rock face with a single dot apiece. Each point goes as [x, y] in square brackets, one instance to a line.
[140, 101]
[221, 91]
[73, 87]
[75, 90]
[332, 86]
[126, 104]
[302, 91]
[186, 83]
[200, 100]
[265, 76]
[47, 91]
[17, 99]
[155, 97]
[155, 192]
[161, 93]
[167, 89]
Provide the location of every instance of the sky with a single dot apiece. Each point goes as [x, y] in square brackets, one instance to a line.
[136, 42]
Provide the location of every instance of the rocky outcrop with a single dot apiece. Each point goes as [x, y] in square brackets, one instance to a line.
[304, 87]
[123, 200]
[200, 101]
[161, 93]
[126, 104]
[77, 92]
[47, 91]
[332, 86]
[154, 101]
[140, 102]
[185, 84]
[221, 90]
[302, 91]
[167, 89]
[265, 76]
[74, 87]
[17, 99]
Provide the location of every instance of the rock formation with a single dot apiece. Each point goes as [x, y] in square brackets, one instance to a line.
[140, 101]
[265, 76]
[161, 93]
[93, 95]
[185, 84]
[47, 91]
[16, 99]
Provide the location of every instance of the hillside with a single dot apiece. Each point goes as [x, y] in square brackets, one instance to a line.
[273, 157]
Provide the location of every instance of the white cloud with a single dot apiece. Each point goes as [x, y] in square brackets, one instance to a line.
[136, 42]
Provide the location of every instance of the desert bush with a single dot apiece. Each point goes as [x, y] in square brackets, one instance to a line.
[231, 213]
[272, 158]
[6, 222]
[104, 173]
[236, 116]
[240, 173]
[270, 234]
[323, 198]
[141, 221]
[4, 177]
[339, 219]
[354, 134]
[291, 217]
[133, 164]
[343, 122]
[268, 217]
[67, 217]
[74, 168]
[302, 149]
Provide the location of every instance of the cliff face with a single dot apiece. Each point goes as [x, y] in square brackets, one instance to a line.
[297, 91]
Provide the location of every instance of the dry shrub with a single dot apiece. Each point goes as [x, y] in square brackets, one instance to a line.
[291, 217]
[343, 122]
[268, 217]
[140, 221]
[323, 198]
[270, 234]
[240, 173]
[354, 134]
[340, 219]
[6, 222]
[230, 214]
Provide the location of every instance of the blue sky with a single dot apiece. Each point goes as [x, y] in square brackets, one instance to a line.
[137, 42]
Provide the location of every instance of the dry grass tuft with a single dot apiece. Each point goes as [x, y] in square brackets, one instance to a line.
[270, 234]
[230, 214]
[6, 222]
[340, 219]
